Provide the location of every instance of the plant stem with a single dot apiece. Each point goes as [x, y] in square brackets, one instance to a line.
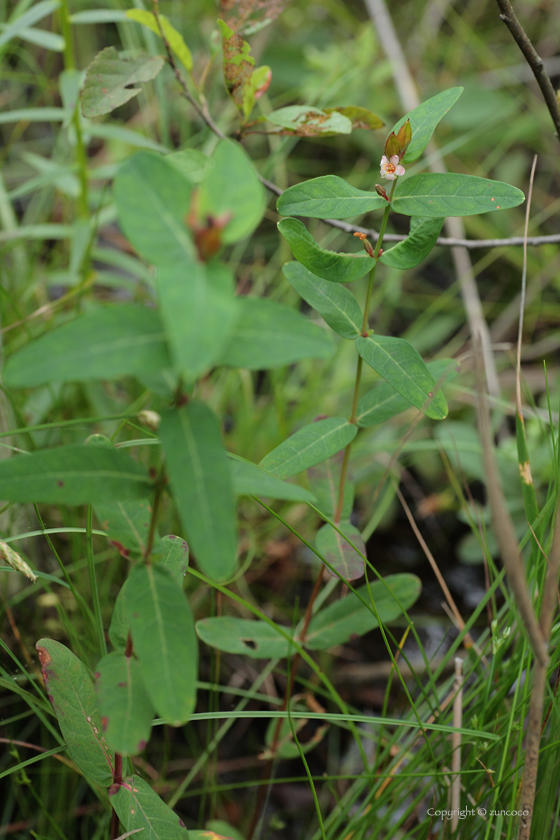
[348, 450]
[153, 520]
[117, 780]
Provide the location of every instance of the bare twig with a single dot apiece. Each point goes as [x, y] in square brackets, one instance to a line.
[533, 59]
[456, 744]
[505, 531]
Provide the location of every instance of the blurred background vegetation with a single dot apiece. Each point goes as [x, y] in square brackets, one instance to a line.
[322, 53]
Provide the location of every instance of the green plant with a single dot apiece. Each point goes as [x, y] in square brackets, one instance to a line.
[181, 212]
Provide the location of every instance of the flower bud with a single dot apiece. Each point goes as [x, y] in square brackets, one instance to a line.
[398, 143]
[368, 247]
[381, 191]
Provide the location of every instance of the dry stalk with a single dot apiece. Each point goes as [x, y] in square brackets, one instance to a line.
[456, 744]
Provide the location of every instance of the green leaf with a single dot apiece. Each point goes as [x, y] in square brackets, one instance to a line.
[336, 304]
[172, 554]
[451, 194]
[120, 625]
[125, 708]
[348, 616]
[127, 524]
[28, 18]
[251, 480]
[238, 69]
[339, 553]
[256, 639]
[396, 361]
[223, 829]
[71, 692]
[327, 197]
[139, 807]
[199, 311]
[232, 188]
[337, 268]
[424, 119]
[201, 480]
[152, 201]
[416, 247]
[109, 80]
[304, 121]
[109, 343]
[308, 446]
[269, 335]
[383, 402]
[211, 835]
[359, 117]
[164, 641]
[324, 480]
[191, 163]
[73, 475]
[173, 38]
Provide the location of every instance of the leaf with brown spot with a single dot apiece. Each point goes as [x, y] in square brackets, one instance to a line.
[247, 16]
[72, 694]
[238, 67]
[126, 710]
[109, 80]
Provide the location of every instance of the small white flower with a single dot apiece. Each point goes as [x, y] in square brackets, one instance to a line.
[391, 168]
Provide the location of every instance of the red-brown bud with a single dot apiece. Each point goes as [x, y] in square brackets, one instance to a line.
[398, 143]
[381, 191]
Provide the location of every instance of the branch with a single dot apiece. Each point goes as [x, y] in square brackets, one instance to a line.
[445, 241]
[533, 59]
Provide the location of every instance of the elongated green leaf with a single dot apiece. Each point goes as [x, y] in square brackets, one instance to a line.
[28, 18]
[138, 806]
[251, 480]
[337, 268]
[398, 362]
[416, 247]
[164, 641]
[125, 708]
[337, 305]
[201, 480]
[269, 335]
[152, 201]
[424, 119]
[256, 639]
[383, 402]
[120, 625]
[232, 189]
[452, 194]
[126, 523]
[173, 38]
[109, 80]
[324, 480]
[304, 121]
[108, 343]
[191, 163]
[34, 115]
[199, 311]
[327, 197]
[348, 616]
[172, 554]
[71, 692]
[339, 553]
[43, 38]
[73, 475]
[308, 446]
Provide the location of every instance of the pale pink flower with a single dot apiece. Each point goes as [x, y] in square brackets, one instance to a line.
[391, 167]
